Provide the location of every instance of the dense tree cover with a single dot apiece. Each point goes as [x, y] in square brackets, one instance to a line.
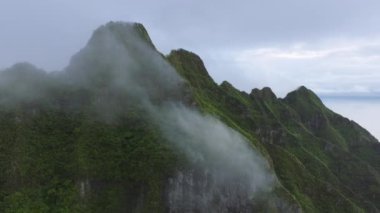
[59, 154]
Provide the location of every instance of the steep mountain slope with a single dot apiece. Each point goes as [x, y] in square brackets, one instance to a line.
[326, 161]
[125, 129]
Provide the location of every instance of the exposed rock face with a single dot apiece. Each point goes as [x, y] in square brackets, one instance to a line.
[201, 191]
[95, 139]
[302, 137]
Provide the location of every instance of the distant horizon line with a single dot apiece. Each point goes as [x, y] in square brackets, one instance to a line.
[345, 96]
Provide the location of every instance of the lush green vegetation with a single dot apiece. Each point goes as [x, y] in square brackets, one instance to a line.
[325, 161]
[58, 155]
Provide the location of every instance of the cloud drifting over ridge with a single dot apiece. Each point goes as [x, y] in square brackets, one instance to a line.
[117, 60]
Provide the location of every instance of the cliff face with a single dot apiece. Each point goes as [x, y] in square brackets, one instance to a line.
[125, 129]
[326, 161]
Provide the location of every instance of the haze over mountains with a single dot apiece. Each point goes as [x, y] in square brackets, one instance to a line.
[364, 111]
[125, 128]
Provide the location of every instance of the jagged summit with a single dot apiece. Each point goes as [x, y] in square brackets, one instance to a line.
[87, 141]
[265, 93]
[301, 91]
[303, 95]
[122, 55]
[114, 41]
[190, 66]
[227, 85]
[193, 60]
[122, 30]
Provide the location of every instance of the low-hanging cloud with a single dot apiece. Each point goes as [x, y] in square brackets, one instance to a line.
[226, 172]
[221, 159]
[118, 65]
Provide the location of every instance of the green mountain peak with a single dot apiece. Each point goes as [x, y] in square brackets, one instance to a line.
[303, 93]
[265, 93]
[190, 67]
[122, 31]
[124, 128]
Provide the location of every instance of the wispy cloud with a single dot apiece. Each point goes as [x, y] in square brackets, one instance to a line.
[338, 66]
[295, 52]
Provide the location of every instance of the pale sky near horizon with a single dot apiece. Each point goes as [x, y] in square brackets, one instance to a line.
[364, 112]
[330, 46]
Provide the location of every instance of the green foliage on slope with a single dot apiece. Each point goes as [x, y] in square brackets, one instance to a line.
[313, 150]
[58, 155]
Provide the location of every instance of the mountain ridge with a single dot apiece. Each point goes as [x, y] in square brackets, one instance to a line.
[121, 161]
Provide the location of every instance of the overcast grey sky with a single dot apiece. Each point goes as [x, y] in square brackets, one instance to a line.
[330, 46]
